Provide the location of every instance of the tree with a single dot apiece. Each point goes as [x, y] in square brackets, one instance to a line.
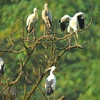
[33, 57]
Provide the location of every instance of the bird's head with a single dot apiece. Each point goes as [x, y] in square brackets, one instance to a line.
[35, 10]
[51, 68]
[46, 6]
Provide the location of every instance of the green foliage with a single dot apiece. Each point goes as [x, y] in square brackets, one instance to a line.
[78, 71]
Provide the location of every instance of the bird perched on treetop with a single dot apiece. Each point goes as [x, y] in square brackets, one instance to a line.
[47, 17]
[1, 66]
[31, 21]
[75, 22]
[50, 82]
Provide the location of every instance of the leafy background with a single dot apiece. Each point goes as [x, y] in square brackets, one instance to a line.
[79, 70]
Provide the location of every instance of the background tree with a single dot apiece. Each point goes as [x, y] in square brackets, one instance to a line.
[26, 60]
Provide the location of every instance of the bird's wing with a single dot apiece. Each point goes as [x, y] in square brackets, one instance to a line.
[81, 22]
[49, 82]
[48, 86]
[44, 15]
[27, 21]
[1, 63]
[31, 20]
[63, 26]
[2, 67]
[54, 83]
[50, 17]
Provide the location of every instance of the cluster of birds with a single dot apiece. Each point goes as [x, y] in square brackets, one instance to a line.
[75, 22]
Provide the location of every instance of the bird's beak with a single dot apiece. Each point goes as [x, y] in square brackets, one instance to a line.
[48, 69]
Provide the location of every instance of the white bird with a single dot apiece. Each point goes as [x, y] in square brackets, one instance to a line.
[47, 17]
[50, 82]
[31, 21]
[1, 66]
[75, 22]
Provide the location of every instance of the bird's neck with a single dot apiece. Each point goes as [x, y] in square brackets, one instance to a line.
[46, 8]
[36, 14]
[51, 72]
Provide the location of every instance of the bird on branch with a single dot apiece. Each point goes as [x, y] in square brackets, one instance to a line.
[31, 22]
[50, 81]
[75, 22]
[47, 18]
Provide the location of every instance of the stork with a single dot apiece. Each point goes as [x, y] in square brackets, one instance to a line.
[47, 17]
[75, 22]
[1, 66]
[50, 82]
[31, 21]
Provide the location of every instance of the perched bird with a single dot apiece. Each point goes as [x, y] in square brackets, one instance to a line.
[31, 21]
[50, 82]
[75, 22]
[1, 66]
[47, 17]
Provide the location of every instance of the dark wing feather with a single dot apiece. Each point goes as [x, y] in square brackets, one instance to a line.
[63, 26]
[49, 89]
[50, 17]
[2, 69]
[81, 22]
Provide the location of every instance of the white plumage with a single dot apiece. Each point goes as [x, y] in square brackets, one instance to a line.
[50, 82]
[65, 19]
[75, 22]
[47, 17]
[31, 21]
[1, 66]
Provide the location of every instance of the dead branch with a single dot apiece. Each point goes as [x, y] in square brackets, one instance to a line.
[61, 98]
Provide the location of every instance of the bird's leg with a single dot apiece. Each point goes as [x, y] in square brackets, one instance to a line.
[75, 40]
[47, 28]
[69, 42]
[76, 34]
[34, 35]
[48, 97]
[70, 37]
[44, 29]
[54, 95]
[76, 37]
[28, 36]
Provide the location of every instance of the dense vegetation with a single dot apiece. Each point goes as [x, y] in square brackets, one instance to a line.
[77, 70]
